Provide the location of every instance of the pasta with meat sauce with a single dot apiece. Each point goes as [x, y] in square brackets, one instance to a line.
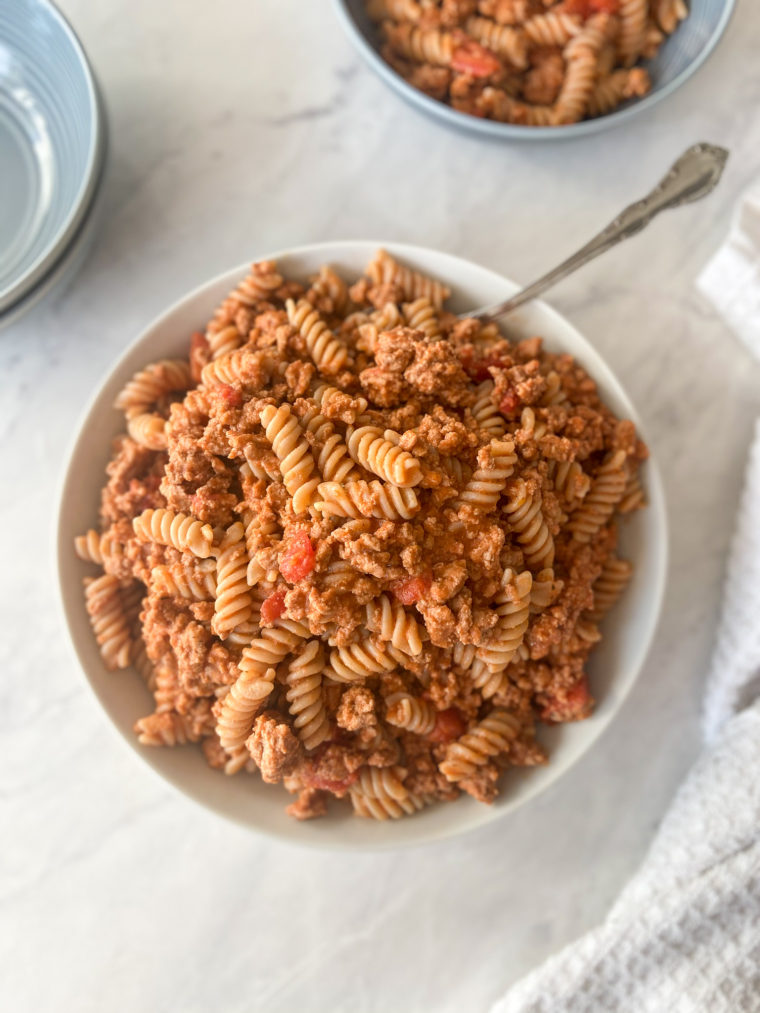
[528, 62]
[367, 560]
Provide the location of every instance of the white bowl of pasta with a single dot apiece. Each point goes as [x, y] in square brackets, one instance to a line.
[243, 650]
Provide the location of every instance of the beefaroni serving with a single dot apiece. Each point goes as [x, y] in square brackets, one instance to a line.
[538, 63]
[359, 545]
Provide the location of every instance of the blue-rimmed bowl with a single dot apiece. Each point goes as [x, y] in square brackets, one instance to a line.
[682, 54]
[52, 144]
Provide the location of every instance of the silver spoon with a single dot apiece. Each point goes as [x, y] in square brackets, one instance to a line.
[693, 176]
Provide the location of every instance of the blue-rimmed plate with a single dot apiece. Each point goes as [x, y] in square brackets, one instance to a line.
[52, 143]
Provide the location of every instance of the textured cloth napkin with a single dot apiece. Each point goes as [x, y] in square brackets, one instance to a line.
[684, 935]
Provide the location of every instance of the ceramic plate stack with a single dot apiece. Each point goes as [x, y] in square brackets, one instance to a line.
[52, 153]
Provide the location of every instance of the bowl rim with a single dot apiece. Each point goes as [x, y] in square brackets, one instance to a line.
[58, 243]
[513, 131]
[50, 282]
[63, 555]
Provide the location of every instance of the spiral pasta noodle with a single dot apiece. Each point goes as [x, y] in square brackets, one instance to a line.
[296, 463]
[413, 714]
[380, 794]
[149, 430]
[490, 737]
[384, 270]
[394, 625]
[513, 610]
[483, 490]
[259, 285]
[108, 620]
[367, 499]
[372, 449]
[150, 384]
[359, 661]
[180, 581]
[187, 534]
[241, 705]
[606, 491]
[421, 316]
[232, 603]
[508, 42]
[486, 413]
[523, 512]
[609, 586]
[325, 348]
[328, 286]
[304, 695]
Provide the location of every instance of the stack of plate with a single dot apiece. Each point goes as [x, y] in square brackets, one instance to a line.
[52, 153]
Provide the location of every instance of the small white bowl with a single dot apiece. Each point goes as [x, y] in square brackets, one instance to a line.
[244, 798]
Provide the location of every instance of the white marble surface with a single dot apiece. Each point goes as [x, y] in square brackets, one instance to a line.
[238, 128]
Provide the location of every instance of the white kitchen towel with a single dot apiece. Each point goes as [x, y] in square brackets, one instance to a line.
[731, 280]
[684, 935]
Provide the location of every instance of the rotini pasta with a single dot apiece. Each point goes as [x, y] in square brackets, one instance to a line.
[187, 534]
[325, 348]
[149, 430]
[367, 499]
[356, 662]
[363, 583]
[531, 64]
[606, 492]
[372, 449]
[411, 713]
[421, 315]
[384, 270]
[296, 463]
[304, 695]
[496, 464]
[523, 512]
[232, 602]
[609, 586]
[490, 737]
[108, 620]
[151, 384]
[380, 794]
[394, 625]
[513, 609]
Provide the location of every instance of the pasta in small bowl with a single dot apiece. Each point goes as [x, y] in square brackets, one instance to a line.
[534, 69]
[343, 542]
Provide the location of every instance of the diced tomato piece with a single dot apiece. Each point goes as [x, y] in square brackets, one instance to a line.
[231, 395]
[409, 590]
[273, 606]
[574, 704]
[510, 402]
[313, 780]
[199, 354]
[449, 725]
[479, 369]
[297, 560]
[470, 57]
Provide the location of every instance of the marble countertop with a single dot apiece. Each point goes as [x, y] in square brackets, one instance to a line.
[239, 128]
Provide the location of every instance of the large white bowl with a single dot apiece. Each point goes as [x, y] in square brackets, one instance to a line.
[244, 798]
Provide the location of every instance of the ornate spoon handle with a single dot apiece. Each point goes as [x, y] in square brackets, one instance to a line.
[693, 176]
